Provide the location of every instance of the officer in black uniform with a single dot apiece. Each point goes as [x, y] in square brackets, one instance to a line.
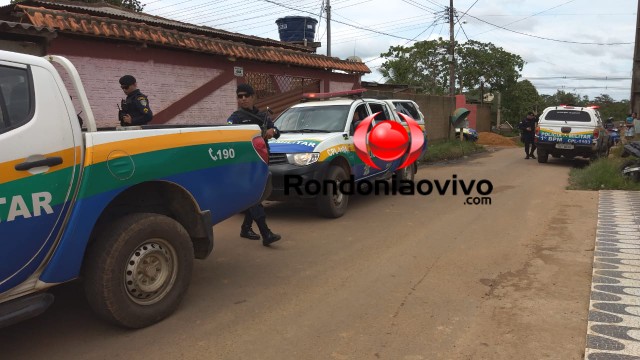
[528, 130]
[247, 113]
[135, 109]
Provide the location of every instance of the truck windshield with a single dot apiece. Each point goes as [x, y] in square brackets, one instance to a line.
[331, 118]
[568, 115]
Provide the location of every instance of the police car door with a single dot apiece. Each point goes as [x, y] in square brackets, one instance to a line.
[39, 162]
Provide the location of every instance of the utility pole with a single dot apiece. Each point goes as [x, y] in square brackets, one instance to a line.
[635, 70]
[499, 115]
[328, 10]
[452, 84]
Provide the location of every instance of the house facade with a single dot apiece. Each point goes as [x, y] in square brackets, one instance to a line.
[189, 73]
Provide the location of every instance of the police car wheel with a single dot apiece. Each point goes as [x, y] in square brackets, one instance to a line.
[543, 156]
[406, 173]
[332, 205]
[137, 271]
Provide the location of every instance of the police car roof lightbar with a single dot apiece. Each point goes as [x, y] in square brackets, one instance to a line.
[311, 96]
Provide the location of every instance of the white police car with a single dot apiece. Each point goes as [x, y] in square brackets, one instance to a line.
[571, 131]
[316, 148]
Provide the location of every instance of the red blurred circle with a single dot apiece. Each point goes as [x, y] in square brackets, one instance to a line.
[388, 140]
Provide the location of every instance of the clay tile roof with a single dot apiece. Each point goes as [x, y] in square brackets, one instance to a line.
[105, 27]
[27, 28]
[111, 11]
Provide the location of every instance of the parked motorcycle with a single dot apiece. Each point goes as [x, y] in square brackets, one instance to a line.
[631, 168]
[612, 131]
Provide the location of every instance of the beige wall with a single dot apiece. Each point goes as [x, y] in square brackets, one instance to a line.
[436, 111]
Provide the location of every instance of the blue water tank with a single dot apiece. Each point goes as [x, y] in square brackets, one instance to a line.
[297, 28]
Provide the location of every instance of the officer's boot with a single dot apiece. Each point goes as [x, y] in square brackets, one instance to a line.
[245, 230]
[268, 237]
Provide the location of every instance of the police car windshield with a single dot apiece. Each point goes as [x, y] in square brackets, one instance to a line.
[330, 118]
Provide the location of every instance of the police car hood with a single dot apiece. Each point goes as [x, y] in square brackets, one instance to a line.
[299, 142]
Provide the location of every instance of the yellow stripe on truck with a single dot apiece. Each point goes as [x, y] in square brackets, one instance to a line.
[100, 153]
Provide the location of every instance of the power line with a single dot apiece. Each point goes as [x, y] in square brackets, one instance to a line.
[436, 4]
[460, 24]
[577, 77]
[536, 14]
[362, 35]
[421, 7]
[339, 22]
[465, 13]
[550, 39]
[433, 25]
[583, 87]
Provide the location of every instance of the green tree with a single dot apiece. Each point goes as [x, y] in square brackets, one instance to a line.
[477, 60]
[562, 97]
[519, 100]
[425, 64]
[608, 107]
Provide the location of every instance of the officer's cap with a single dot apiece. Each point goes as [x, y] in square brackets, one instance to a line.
[245, 88]
[531, 113]
[127, 80]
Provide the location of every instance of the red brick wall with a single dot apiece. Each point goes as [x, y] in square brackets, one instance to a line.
[183, 87]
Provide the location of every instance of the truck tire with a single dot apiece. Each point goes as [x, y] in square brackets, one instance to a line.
[330, 205]
[543, 156]
[138, 270]
[407, 173]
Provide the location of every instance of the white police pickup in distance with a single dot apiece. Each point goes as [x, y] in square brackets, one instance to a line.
[571, 131]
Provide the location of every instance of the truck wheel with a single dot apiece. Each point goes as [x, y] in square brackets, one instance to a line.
[137, 272]
[543, 156]
[332, 205]
[407, 173]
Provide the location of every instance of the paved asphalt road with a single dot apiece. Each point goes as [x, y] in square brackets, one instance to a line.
[405, 277]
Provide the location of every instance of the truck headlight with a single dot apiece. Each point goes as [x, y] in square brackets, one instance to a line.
[303, 159]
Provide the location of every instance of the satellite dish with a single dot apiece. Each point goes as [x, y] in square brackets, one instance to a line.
[354, 59]
[488, 97]
[459, 116]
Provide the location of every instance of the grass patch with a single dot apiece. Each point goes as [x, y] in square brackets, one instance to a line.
[450, 149]
[602, 174]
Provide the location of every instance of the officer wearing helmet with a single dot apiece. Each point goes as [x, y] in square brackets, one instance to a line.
[135, 109]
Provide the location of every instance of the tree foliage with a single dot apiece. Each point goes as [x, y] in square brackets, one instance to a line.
[519, 100]
[477, 60]
[425, 64]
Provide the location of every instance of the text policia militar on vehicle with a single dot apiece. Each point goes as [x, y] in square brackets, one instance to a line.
[295, 184]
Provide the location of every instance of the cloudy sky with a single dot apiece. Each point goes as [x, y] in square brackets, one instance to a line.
[563, 42]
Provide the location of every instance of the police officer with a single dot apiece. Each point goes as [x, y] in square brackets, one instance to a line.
[528, 129]
[135, 109]
[248, 113]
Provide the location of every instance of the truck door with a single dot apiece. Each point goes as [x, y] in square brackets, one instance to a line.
[39, 163]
